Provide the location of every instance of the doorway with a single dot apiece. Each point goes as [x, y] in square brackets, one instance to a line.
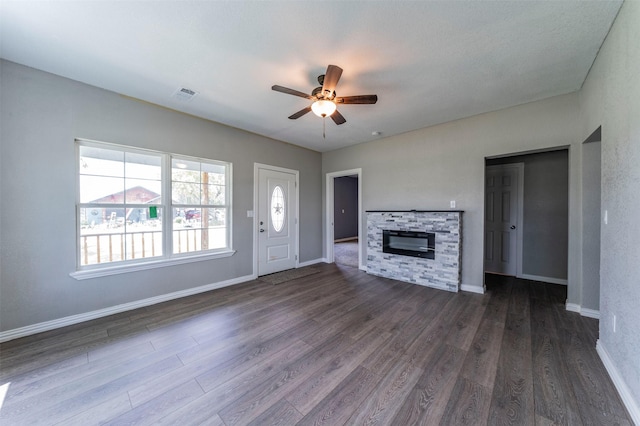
[591, 220]
[344, 218]
[276, 221]
[542, 228]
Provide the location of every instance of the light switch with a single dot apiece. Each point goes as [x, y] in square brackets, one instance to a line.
[249, 213]
[452, 203]
[606, 217]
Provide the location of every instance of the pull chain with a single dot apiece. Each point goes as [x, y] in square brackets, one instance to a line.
[324, 119]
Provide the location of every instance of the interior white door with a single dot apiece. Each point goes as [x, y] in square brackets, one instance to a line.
[277, 215]
[501, 219]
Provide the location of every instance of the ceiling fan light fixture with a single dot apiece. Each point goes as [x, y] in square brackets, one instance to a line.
[323, 108]
[323, 98]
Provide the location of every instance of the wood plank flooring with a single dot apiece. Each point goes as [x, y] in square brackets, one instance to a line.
[336, 347]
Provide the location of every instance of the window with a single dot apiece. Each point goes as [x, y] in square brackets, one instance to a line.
[198, 192]
[138, 206]
[277, 209]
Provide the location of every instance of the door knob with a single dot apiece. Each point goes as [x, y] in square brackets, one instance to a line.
[513, 227]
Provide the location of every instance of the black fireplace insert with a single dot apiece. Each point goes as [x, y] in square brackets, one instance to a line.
[409, 243]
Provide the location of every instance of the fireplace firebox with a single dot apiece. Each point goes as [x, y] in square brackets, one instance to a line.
[409, 243]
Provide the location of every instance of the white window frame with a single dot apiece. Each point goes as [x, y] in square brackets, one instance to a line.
[226, 206]
[168, 258]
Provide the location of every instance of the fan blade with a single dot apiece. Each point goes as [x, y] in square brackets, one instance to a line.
[338, 118]
[290, 91]
[331, 78]
[300, 113]
[360, 99]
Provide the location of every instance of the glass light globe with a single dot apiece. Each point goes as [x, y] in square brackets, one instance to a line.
[323, 108]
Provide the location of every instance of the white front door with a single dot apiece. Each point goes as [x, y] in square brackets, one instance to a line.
[501, 219]
[277, 218]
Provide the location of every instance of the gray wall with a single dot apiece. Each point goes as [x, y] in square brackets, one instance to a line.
[545, 225]
[41, 114]
[591, 160]
[546, 215]
[610, 97]
[345, 207]
[426, 169]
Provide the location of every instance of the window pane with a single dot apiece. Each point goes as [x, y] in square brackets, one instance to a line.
[192, 215]
[185, 193]
[102, 170]
[143, 166]
[215, 173]
[277, 209]
[101, 162]
[186, 217]
[116, 234]
[187, 232]
[217, 228]
[101, 189]
[191, 233]
[217, 238]
[213, 195]
[143, 191]
[185, 170]
[217, 217]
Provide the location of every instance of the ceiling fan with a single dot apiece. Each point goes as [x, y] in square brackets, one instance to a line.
[324, 98]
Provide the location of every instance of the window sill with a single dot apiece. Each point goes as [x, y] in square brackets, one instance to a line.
[123, 269]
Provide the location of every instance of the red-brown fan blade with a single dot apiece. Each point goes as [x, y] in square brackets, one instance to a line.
[331, 78]
[300, 113]
[360, 99]
[290, 91]
[338, 118]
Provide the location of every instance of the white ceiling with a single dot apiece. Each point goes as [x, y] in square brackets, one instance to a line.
[429, 62]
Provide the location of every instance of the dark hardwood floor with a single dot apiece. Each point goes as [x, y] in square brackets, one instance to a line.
[336, 347]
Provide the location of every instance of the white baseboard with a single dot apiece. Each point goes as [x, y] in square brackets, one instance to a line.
[544, 279]
[633, 406]
[585, 312]
[572, 307]
[472, 288]
[75, 319]
[312, 262]
[591, 313]
[344, 240]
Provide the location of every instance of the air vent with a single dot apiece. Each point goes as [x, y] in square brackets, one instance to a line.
[183, 94]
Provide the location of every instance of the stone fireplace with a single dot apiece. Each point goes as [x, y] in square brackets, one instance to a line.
[417, 246]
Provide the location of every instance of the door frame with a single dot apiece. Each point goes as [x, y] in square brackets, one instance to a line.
[329, 219]
[254, 213]
[519, 167]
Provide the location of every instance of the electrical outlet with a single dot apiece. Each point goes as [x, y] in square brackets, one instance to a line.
[606, 217]
[452, 204]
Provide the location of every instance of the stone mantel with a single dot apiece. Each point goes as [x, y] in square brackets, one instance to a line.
[442, 272]
[415, 211]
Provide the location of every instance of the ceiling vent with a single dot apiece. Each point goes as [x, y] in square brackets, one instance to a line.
[184, 95]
